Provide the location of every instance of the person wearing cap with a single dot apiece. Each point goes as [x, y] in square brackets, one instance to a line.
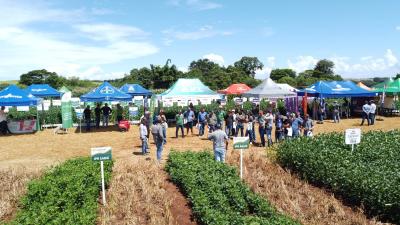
[220, 143]
[336, 109]
[158, 136]
[372, 112]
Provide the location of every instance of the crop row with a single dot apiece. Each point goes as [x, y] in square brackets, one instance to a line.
[66, 194]
[369, 176]
[217, 194]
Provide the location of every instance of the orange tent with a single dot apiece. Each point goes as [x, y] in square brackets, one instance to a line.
[363, 86]
[235, 89]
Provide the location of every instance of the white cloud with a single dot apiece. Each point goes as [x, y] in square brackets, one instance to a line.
[215, 58]
[199, 5]
[183, 69]
[398, 28]
[302, 63]
[268, 67]
[110, 32]
[391, 58]
[201, 33]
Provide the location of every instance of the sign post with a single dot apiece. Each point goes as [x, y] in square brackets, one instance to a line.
[241, 143]
[353, 136]
[101, 154]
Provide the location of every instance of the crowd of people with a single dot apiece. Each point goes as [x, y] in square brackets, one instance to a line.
[101, 113]
[222, 125]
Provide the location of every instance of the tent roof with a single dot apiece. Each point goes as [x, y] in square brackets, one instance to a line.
[105, 92]
[188, 87]
[363, 86]
[391, 86]
[268, 89]
[42, 90]
[235, 89]
[287, 87]
[335, 89]
[135, 90]
[14, 96]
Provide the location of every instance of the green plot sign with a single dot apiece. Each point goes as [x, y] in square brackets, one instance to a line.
[101, 153]
[241, 142]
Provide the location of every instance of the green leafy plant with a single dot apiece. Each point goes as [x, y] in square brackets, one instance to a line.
[369, 176]
[217, 193]
[66, 194]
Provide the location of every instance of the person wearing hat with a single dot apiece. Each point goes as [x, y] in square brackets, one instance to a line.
[336, 110]
[158, 135]
[372, 112]
[220, 143]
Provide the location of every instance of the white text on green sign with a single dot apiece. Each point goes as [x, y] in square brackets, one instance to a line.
[101, 153]
[241, 142]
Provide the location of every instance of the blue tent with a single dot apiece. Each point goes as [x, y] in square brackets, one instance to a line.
[105, 92]
[42, 90]
[14, 96]
[335, 89]
[135, 90]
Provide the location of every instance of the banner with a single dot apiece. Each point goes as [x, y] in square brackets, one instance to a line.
[66, 108]
[22, 127]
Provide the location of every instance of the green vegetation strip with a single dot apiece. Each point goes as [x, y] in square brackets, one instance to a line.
[217, 194]
[67, 194]
[370, 176]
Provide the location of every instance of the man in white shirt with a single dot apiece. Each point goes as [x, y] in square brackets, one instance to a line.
[3, 121]
[366, 109]
[372, 112]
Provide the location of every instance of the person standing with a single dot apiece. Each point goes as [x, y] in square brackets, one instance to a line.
[202, 120]
[372, 112]
[3, 121]
[269, 121]
[97, 113]
[278, 128]
[297, 123]
[106, 114]
[220, 143]
[321, 111]
[87, 114]
[189, 116]
[120, 113]
[308, 125]
[229, 125]
[164, 123]
[366, 109]
[240, 121]
[261, 127]
[158, 136]
[179, 124]
[212, 121]
[221, 117]
[250, 128]
[336, 110]
[143, 136]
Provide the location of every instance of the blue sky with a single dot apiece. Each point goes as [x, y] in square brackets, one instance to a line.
[105, 39]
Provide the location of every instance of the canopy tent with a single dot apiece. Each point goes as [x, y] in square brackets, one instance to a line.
[287, 87]
[363, 86]
[14, 96]
[269, 89]
[42, 90]
[235, 89]
[388, 86]
[105, 92]
[135, 90]
[335, 89]
[184, 90]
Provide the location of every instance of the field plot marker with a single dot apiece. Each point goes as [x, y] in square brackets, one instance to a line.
[241, 143]
[101, 154]
[353, 137]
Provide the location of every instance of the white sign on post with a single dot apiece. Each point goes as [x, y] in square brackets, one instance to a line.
[353, 137]
[241, 143]
[101, 154]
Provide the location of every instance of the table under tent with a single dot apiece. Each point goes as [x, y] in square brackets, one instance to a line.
[271, 91]
[104, 93]
[321, 90]
[389, 96]
[14, 96]
[186, 91]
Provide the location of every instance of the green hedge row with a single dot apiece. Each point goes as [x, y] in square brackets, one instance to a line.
[52, 116]
[370, 176]
[217, 193]
[66, 194]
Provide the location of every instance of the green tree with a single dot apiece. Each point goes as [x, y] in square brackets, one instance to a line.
[324, 67]
[249, 65]
[397, 76]
[42, 77]
[277, 74]
[288, 80]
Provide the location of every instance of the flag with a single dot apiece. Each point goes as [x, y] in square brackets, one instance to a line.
[66, 108]
[304, 103]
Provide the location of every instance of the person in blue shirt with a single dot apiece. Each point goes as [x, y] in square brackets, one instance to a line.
[278, 128]
[202, 120]
[189, 116]
[297, 122]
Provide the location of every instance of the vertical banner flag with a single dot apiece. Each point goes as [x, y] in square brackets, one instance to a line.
[66, 108]
[304, 103]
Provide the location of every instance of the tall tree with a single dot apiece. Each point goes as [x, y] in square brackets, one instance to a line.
[249, 65]
[277, 74]
[41, 77]
[397, 76]
[323, 68]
